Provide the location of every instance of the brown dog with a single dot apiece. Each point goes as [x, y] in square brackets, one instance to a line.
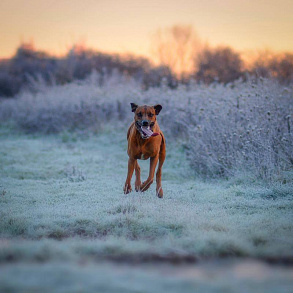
[145, 140]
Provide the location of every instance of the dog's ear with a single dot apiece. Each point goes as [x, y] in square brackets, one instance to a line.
[133, 107]
[158, 109]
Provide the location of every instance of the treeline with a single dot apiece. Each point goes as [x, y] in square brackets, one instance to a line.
[29, 64]
[225, 65]
[221, 65]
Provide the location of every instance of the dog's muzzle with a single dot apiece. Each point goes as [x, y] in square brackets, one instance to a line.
[144, 123]
[144, 128]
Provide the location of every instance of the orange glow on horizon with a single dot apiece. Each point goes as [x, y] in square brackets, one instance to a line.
[127, 26]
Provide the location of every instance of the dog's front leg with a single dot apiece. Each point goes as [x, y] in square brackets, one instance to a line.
[127, 186]
[150, 180]
[137, 176]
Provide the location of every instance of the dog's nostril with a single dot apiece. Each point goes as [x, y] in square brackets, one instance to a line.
[144, 123]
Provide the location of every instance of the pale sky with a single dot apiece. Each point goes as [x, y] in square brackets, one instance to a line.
[127, 25]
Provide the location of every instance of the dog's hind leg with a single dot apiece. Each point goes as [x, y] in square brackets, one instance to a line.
[137, 176]
[150, 180]
[159, 188]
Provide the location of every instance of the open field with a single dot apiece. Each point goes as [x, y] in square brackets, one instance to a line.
[65, 221]
[225, 223]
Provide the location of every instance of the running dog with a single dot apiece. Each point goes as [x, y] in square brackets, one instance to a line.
[145, 141]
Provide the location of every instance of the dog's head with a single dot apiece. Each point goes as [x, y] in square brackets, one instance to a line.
[145, 119]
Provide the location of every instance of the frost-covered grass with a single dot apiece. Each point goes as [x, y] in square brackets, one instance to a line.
[51, 189]
[63, 212]
[244, 126]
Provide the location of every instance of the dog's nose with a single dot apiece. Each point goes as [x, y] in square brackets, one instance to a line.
[144, 123]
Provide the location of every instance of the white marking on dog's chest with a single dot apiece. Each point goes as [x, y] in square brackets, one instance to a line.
[142, 157]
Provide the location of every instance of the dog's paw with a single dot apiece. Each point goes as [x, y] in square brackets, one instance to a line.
[127, 188]
[160, 192]
[137, 186]
[145, 185]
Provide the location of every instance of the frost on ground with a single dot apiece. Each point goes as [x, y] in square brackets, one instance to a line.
[61, 200]
[65, 222]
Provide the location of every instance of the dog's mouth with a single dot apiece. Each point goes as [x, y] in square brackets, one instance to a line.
[145, 131]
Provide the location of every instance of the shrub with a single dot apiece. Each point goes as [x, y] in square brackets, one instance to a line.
[246, 127]
[219, 64]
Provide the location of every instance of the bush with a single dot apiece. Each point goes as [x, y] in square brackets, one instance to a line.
[247, 127]
[273, 65]
[219, 64]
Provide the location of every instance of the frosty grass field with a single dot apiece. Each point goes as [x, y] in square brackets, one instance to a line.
[66, 225]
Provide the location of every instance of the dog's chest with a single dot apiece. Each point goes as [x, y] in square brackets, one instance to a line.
[144, 151]
[143, 157]
[147, 151]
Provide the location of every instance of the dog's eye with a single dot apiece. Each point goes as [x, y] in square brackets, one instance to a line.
[139, 114]
[151, 115]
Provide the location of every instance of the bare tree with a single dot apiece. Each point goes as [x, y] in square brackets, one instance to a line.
[175, 47]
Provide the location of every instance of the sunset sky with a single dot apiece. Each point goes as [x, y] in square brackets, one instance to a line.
[127, 25]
